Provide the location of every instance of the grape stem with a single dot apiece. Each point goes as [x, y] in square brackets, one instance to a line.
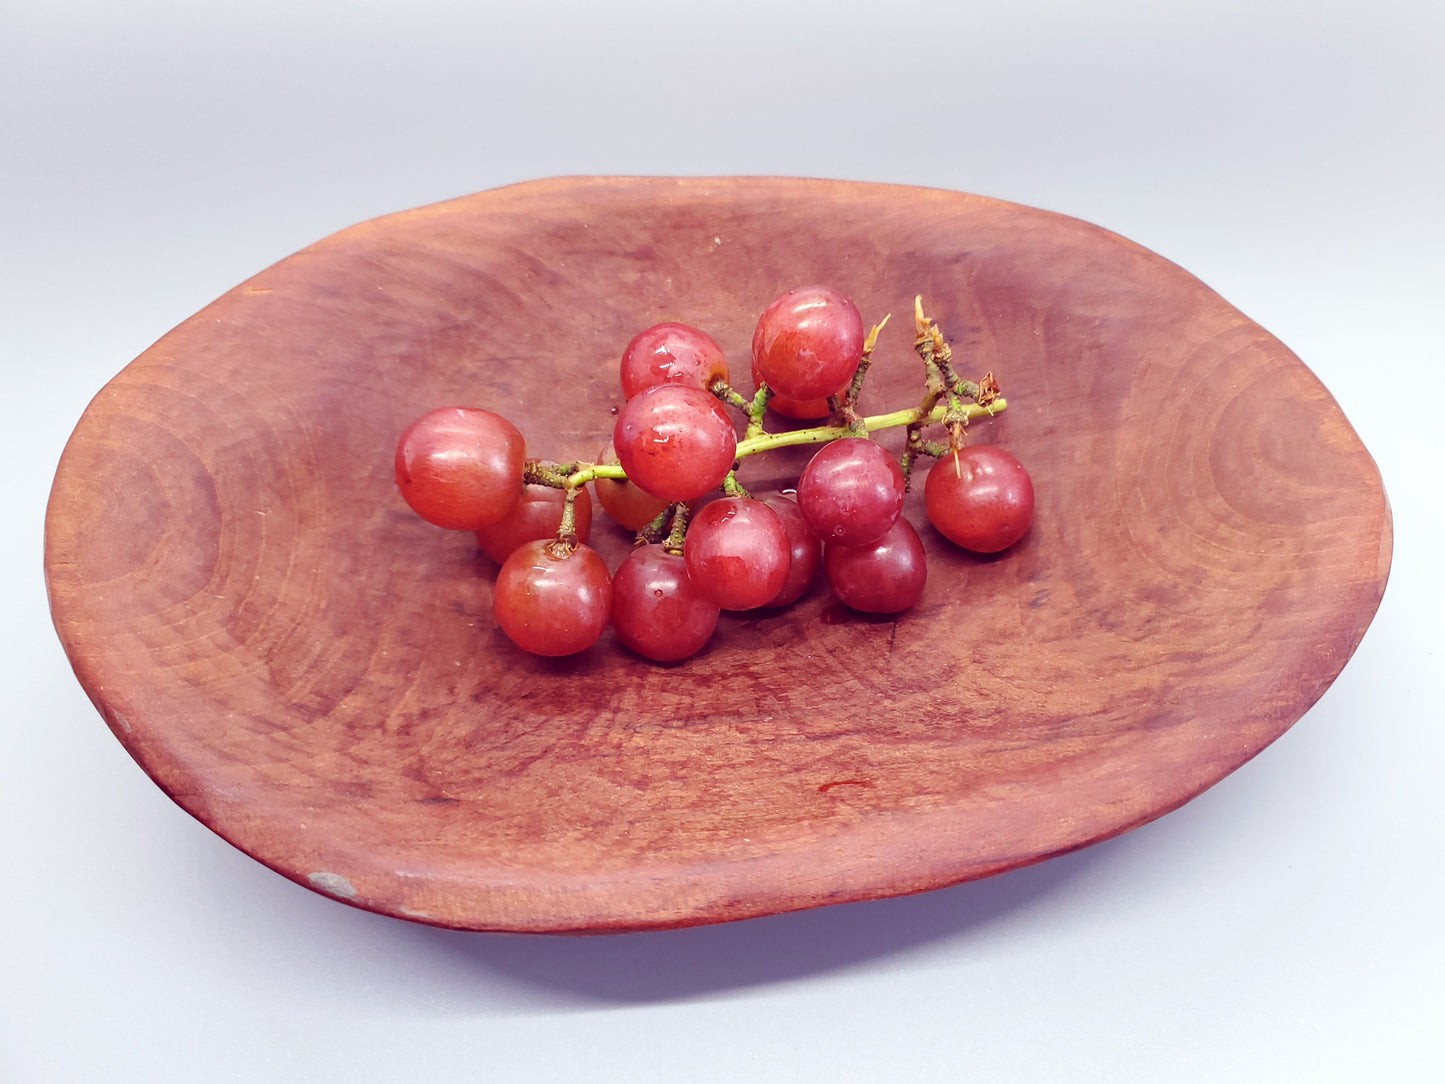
[731, 396]
[943, 403]
[824, 433]
[560, 477]
[732, 487]
[673, 543]
[656, 531]
[757, 411]
[848, 403]
[567, 531]
[942, 383]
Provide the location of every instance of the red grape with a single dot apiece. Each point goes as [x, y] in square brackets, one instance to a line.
[737, 553]
[671, 353]
[675, 441]
[461, 468]
[807, 550]
[550, 603]
[985, 503]
[537, 515]
[623, 501]
[851, 491]
[656, 609]
[883, 577]
[808, 343]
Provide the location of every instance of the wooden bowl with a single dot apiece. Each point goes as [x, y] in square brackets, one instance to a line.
[315, 674]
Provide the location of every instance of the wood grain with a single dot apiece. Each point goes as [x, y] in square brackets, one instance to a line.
[315, 674]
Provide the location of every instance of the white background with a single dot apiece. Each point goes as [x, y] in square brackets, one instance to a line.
[1284, 926]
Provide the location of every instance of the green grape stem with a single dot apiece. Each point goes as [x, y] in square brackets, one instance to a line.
[823, 434]
[567, 531]
[943, 403]
[673, 542]
[847, 403]
[732, 487]
[758, 410]
[582, 473]
[657, 530]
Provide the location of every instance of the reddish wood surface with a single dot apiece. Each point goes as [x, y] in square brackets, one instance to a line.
[315, 673]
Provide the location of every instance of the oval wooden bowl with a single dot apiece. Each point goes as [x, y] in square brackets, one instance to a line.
[315, 674]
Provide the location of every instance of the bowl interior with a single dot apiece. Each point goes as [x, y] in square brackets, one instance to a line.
[315, 673]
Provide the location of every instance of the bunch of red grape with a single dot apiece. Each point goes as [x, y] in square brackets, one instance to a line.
[674, 443]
